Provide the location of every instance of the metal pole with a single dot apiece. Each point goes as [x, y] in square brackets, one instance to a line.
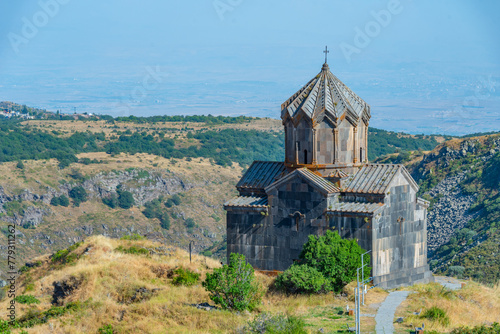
[363, 275]
[358, 329]
[355, 310]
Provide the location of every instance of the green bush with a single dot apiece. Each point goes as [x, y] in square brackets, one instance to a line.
[14, 207]
[274, 324]
[207, 253]
[494, 329]
[54, 201]
[4, 327]
[34, 317]
[176, 199]
[436, 314]
[20, 165]
[190, 225]
[164, 221]
[185, 277]
[153, 209]
[79, 195]
[59, 200]
[233, 286]
[26, 299]
[456, 271]
[60, 255]
[336, 258]
[133, 250]
[302, 279]
[125, 200]
[111, 201]
[63, 200]
[65, 255]
[134, 236]
[108, 329]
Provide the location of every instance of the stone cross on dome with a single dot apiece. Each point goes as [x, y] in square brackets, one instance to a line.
[326, 52]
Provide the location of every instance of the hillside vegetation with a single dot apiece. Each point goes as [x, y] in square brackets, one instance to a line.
[223, 139]
[198, 187]
[133, 286]
[199, 158]
[470, 169]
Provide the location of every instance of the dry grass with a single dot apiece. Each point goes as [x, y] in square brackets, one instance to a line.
[67, 128]
[110, 277]
[211, 186]
[473, 305]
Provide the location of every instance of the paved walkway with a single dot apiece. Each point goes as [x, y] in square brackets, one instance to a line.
[449, 282]
[385, 314]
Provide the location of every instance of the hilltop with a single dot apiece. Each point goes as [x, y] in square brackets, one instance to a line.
[128, 285]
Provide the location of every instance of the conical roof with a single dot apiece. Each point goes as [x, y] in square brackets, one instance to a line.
[326, 96]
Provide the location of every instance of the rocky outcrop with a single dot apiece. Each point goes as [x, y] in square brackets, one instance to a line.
[30, 217]
[64, 288]
[3, 198]
[144, 187]
[450, 213]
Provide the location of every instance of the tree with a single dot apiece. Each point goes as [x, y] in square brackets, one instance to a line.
[111, 201]
[190, 224]
[233, 286]
[126, 199]
[63, 200]
[336, 258]
[78, 194]
[54, 201]
[164, 220]
[176, 199]
[20, 165]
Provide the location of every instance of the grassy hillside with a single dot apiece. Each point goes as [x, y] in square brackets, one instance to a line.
[472, 251]
[127, 285]
[202, 187]
[223, 139]
[382, 143]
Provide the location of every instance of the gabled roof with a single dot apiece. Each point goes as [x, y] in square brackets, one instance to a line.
[261, 174]
[247, 202]
[339, 174]
[321, 184]
[326, 96]
[354, 207]
[377, 178]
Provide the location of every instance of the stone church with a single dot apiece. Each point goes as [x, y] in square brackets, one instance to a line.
[326, 182]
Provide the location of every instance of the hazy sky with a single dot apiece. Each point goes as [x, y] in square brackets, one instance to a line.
[247, 57]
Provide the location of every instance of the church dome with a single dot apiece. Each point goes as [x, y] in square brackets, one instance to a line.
[326, 96]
